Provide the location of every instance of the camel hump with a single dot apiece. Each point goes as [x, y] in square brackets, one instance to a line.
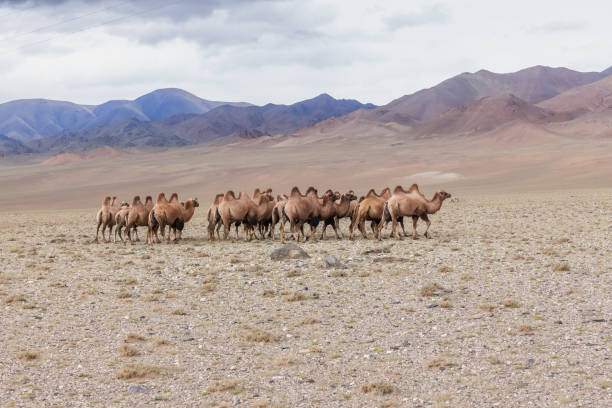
[311, 189]
[257, 192]
[295, 192]
[149, 199]
[161, 197]
[399, 189]
[414, 187]
[174, 198]
[268, 190]
[136, 200]
[218, 199]
[371, 193]
[106, 200]
[229, 196]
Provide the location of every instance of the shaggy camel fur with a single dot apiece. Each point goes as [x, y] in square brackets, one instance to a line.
[301, 209]
[214, 219]
[411, 203]
[163, 214]
[237, 210]
[138, 216]
[277, 212]
[106, 217]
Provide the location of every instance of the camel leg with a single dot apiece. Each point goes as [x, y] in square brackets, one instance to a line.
[414, 225]
[218, 228]
[362, 228]
[323, 231]
[97, 232]
[136, 233]
[313, 230]
[425, 218]
[116, 232]
[337, 228]
[226, 230]
[104, 233]
[293, 229]
[281, 229]
[354, 223]
[401, 222]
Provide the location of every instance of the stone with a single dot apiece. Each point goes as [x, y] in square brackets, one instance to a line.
[138, 388]
[288, 251]
[333, 262]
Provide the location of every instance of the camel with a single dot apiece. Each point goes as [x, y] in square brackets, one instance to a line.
[106, 217]
[328, 211]
[138, 216]
[411, 203]
[277, 212]
[164, 213]
[214, 219]
[370, 208]
[301, 209]
[187, 210]
[264, 204]
[121, 219]
[343, 207]
[237, 210]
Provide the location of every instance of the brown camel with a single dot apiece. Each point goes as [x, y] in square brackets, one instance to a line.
[106, 217]
[411, 203]
[121, 219]
[187, 211]
[234, 210]
[277, 212]
[301, 209]
[343, 207]
[214, 219]
[329, 212]
[163, 214]
[264, 204]
[138, 216]
[370, 208]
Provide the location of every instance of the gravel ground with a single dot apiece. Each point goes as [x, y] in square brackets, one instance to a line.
[507, 305]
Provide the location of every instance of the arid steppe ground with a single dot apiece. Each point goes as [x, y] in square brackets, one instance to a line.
[507, 305]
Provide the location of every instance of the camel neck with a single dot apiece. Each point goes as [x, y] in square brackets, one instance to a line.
[434, 204]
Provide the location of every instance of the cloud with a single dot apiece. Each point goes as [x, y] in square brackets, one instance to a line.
[435, 14]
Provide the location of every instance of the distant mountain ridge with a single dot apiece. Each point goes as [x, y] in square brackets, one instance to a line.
[30, 119]
[224, 122]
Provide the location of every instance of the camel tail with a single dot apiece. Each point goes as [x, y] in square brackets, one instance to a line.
[387, 213]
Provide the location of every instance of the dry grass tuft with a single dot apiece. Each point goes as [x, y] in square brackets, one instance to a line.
[561, 267]
[134, 338]
[260, 336]
[296, 297]
[511, 304]
[485, 307]
[179, 312]
[445, 269]
[442, 361]
[526, 329]
[124, 294]
[128, 351]
[310, 320]
[15, 298]
[132, 371]
[430, 289]
[378, 388]
[293, 274]
[231, 385]
[160, 342]
[28, 355]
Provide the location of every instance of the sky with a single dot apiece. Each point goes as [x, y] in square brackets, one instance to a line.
[89, 51]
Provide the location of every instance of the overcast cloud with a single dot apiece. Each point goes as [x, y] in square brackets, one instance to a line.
[90, 51]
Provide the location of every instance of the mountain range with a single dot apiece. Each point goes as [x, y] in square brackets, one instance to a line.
[558, 100]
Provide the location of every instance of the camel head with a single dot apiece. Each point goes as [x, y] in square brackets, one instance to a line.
[136, 200]
[269, 191]
[281, 197]
[124, 204]
[443, 195]
[350, 195]
[195, 202]
[361, 198]
[106, 201]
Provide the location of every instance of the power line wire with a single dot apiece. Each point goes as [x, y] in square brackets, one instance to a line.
[90, 27]
[64, 21]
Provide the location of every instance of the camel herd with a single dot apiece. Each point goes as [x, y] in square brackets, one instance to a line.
[259, 214]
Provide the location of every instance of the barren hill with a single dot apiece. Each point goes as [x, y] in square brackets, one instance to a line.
[596, 96]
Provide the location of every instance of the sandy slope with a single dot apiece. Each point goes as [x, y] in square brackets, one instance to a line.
[521, 316]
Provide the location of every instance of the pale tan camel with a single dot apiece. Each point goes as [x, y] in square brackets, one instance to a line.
[370, 208]
[342, 209]
[411, 203]
[138, 216]
[106, 217]
[301, 209]
[214, 219]
[163, 214]
[237, 210]
[121, 219]
[277, 212]
[187, 211]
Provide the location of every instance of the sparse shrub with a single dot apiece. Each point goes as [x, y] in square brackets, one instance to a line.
[179, 312]
[231, 385]
[293, 274]
[28, 355]
[296, 297]
[15, 298]
[310, 320]
[132, 371]
[378, 388]
[511, 304]
[128, 351]
[445, 269]
[561, 267]
[134, 338]
[430, 289]
[260, 336]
